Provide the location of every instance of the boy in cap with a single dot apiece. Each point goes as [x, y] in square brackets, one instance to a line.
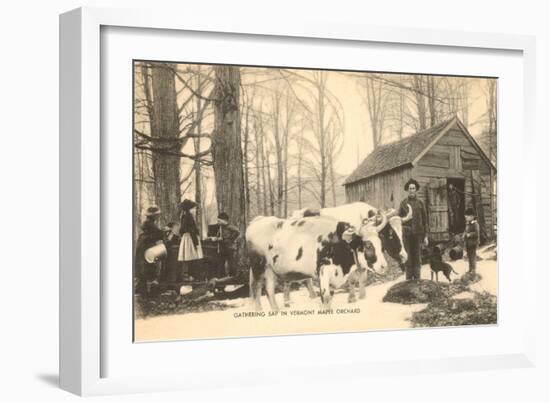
[226, 235]
[471, 238]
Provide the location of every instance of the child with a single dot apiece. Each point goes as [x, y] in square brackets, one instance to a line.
[471, 238]
[226, 235]
[190, 245]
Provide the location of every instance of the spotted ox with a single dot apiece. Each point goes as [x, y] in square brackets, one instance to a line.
[359, 213]
[259, 240]
[313, 247]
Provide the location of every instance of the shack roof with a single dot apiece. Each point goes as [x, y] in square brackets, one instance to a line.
[406, 151]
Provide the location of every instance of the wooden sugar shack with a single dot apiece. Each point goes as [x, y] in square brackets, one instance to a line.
[453, 172]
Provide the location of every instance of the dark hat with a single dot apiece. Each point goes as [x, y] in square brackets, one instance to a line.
[187, 204]
[412, 181]
[223, 216]
[469, 211]
[152, 211]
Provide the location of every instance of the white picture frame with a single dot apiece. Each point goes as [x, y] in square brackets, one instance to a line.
[83, 307]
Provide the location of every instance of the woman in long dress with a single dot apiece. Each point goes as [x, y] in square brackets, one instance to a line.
[190, 245]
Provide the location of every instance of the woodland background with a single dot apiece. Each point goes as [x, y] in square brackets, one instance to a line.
[266, 141]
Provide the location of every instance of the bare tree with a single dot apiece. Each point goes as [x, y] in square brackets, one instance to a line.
[491, 119]
[281, 121]
[334, 148]
[375, 96]
[432, 90]
[246, 107]
[258, 160]
[160, 95]
[300, 163]
[323, 110]
[227, 155]
[197, 147]
[419, 90]
[492, 131]
[279, 141]
[290, 109]
[166, 132]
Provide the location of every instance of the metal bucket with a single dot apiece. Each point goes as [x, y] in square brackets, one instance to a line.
[156, 252]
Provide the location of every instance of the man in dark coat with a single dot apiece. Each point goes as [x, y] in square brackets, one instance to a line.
[471, 238]
[150, 235]
[414, 231]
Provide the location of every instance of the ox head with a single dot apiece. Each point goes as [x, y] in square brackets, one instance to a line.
[392, 235]
[335, 258]
[370, 234]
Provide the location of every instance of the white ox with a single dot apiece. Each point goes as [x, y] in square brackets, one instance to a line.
[307, 248]
[259, 238]
[357, 213]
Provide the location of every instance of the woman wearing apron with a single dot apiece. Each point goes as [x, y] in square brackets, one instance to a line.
[190, 245]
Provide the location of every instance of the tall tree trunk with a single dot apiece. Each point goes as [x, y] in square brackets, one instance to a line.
[376, 106]
[431, 88]
[420, 101]
[300, 159]
[264, 168]
[197, 164]
[332, 183]
[401, 114]
[227, 157]
[492, 128]
[258, 168]
[285, 164]
[278, 152]
[245, 151]
[322, 140]
[165, 126]
[269, 184]
[464, 102]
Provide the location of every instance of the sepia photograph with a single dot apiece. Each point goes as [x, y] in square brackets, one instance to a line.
[283, 201]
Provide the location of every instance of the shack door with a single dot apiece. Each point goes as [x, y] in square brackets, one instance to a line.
[438, 210]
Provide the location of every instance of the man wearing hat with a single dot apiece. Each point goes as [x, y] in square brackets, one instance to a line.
[471, 238]
[147, 272]
[414, 231]
[226, 235]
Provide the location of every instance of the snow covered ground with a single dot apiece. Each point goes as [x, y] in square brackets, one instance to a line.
[304, 315]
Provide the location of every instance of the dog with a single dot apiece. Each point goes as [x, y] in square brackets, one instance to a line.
[437, 264]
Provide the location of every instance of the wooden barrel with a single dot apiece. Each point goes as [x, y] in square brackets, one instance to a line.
[456, 253]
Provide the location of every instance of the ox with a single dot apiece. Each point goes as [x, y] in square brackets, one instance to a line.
[311, 247]
[358, 213]
[259, 237]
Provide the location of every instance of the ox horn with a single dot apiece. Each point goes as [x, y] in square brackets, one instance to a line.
[409, 215]
[381, 226]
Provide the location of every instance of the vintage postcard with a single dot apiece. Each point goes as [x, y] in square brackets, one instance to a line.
[281, 201]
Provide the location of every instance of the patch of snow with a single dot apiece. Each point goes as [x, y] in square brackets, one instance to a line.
[464, 295]
[231, 288]
[375, 314]
[185, 289]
